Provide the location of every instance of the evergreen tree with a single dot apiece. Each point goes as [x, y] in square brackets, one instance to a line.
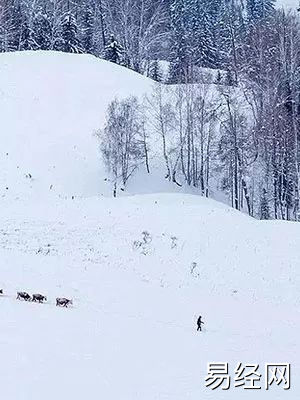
[42, 31]
[218, 80]
[88, 29]
[230, 36]
[193, 23]
[27, 41]
[70, 42]
[259, 9]
[16, 21]
[229, 80]
[264, 205]
[9, 27]
[203, 16]
[113, 51]
[155, 72]
[179, 51]
[222, 33]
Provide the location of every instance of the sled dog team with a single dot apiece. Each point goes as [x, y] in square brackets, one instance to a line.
[39, 298]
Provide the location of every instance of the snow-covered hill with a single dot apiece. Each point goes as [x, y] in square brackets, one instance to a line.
[140, 269]
[50, 105]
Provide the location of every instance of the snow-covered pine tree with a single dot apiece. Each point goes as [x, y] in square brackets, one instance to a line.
[193, 26]
[218, 79]
[69, 34]
[87, 28]
[155, 72]
[42, 30]
[230, 33]
[113, 51]
[264, 205]
[229, 79]
[193, 35]
[14, 16]
[8, 27]
[221, 33]
[102, 19]
[27, 41]
[259, 9]
[203, 16]
[179, 48]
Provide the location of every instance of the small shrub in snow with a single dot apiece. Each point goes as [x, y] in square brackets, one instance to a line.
[143, 244]
[174, 240]
[194, 269]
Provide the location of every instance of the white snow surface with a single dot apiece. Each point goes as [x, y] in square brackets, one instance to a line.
[140, 269]
[288, 4]
[53, 103]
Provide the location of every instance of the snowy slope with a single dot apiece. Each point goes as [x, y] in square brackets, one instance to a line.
[53, 104]
[131, 334]
[140, 269]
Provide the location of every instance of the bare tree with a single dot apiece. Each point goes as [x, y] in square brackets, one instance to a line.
[122, 140]
[140, 27]
[163, 120]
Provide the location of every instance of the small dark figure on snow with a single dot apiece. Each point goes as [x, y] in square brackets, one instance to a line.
[62, 302]
[199, 323]
[23, 296]
[1, 291]
[39, 298]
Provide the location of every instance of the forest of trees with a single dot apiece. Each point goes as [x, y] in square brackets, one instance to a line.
[244, 134]
[136, 33]
[241, 137]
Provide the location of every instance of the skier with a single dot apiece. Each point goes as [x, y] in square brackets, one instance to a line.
[199, 323]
